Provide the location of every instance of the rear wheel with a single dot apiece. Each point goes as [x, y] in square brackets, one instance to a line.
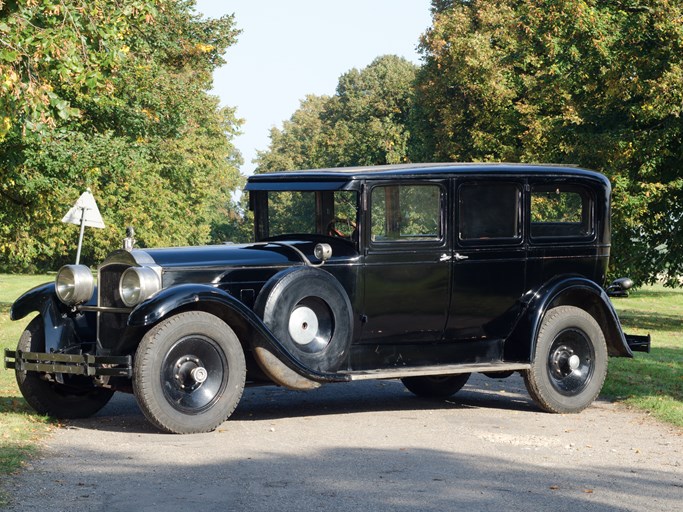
[570, 362]
[189, 373]
[75, 398]
[436, 386]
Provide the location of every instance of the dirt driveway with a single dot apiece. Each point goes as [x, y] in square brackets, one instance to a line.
[367, 446]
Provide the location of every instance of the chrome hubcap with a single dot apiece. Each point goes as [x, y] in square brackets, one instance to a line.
[303, 325]
[199, 374]
[574, 362]
[570, 362]
[311, 325]
[194, 374]
[189, 372]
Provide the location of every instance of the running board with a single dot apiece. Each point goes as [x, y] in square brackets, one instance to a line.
[452, 369]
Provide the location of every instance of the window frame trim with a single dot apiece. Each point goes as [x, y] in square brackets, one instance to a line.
[515, 241]
[560, 239]
[392, 244]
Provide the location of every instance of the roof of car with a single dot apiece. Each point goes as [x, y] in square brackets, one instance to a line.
[375, 171]
[346, 174]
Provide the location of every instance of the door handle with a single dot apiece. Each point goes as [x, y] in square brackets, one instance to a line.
[460, 257]
[445, 257]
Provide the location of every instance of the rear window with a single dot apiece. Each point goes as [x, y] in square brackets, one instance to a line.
[489, 211]
[561, 211]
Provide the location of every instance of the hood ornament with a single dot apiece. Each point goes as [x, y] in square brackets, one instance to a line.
[129, 241]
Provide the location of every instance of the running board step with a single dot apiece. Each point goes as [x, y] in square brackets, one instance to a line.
[452, 369]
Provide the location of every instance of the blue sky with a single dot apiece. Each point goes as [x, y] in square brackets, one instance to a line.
[289, 49]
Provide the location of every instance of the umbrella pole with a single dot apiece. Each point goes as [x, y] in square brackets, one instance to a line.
[80, 237]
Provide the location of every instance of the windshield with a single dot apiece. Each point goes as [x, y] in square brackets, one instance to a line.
[330, 213]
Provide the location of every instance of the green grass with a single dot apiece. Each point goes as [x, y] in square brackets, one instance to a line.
[20, 428]
[651, 382]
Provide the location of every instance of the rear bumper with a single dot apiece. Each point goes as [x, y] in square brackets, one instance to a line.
[638, 343]
[75, 364]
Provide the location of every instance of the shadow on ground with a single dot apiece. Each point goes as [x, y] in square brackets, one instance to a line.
[270, 403]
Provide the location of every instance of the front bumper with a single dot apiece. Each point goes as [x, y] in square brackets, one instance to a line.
[74, 364]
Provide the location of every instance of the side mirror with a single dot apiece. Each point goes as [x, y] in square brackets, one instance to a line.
[619, 287]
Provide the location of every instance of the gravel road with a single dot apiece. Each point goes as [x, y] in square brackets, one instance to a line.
[367, 446]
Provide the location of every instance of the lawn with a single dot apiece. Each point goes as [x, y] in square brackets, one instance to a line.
[20, 429]
[651, 382]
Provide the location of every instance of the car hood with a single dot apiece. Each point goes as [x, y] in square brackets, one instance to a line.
[263, 254]
[224, 255]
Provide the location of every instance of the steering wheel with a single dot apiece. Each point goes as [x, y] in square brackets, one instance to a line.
[345, 231]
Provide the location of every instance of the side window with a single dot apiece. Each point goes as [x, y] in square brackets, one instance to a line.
[291, 212]
[561, 211]
[489, 211]
[406, 213]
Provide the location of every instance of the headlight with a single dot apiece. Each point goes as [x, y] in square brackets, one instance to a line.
[74, 284]
[138, 284]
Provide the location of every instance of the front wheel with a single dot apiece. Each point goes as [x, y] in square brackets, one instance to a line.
[570, 361]
[189, 373]
[435, 386]
[75, 398]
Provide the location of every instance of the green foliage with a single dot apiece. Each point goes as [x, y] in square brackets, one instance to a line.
[364, 123]
[301, 143]
[113, 97]
[51, 52]
[551, 206]
[291, 212]
[594, 83]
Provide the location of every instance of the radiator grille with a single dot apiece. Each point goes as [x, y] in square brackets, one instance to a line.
[110, 326]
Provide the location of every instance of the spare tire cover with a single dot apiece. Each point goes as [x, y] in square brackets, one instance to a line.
[309, 312]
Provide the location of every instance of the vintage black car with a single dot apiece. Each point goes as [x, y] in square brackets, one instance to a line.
[424, 272]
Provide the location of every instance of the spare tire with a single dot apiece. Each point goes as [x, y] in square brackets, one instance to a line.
[309, 312]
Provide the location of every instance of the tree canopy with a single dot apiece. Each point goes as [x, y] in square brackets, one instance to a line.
[111, 96]
[364, 123]
[587, 82]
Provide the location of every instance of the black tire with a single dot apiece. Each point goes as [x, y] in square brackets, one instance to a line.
[436, 386]
[189, 373]
[570, 361]
[76, 398]
[309, 312]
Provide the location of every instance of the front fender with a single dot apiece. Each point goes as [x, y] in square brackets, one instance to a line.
[249, 327]
[62, 328]
[569, 291]
[36, 299]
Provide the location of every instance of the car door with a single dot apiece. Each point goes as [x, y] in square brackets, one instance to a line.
[488, 259]
[406, 267]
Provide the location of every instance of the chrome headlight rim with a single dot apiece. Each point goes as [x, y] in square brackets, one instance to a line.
[74, 284]
[137, 284]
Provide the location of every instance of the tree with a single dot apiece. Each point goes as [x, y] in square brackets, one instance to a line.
[111, 96]
[301, 143]
[369, 114]
[364, 123]
[594, 83]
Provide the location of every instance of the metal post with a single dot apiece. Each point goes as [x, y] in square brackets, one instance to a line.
[80, 237]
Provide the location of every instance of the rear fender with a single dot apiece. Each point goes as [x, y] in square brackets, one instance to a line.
[248, 327]
[573, 291]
